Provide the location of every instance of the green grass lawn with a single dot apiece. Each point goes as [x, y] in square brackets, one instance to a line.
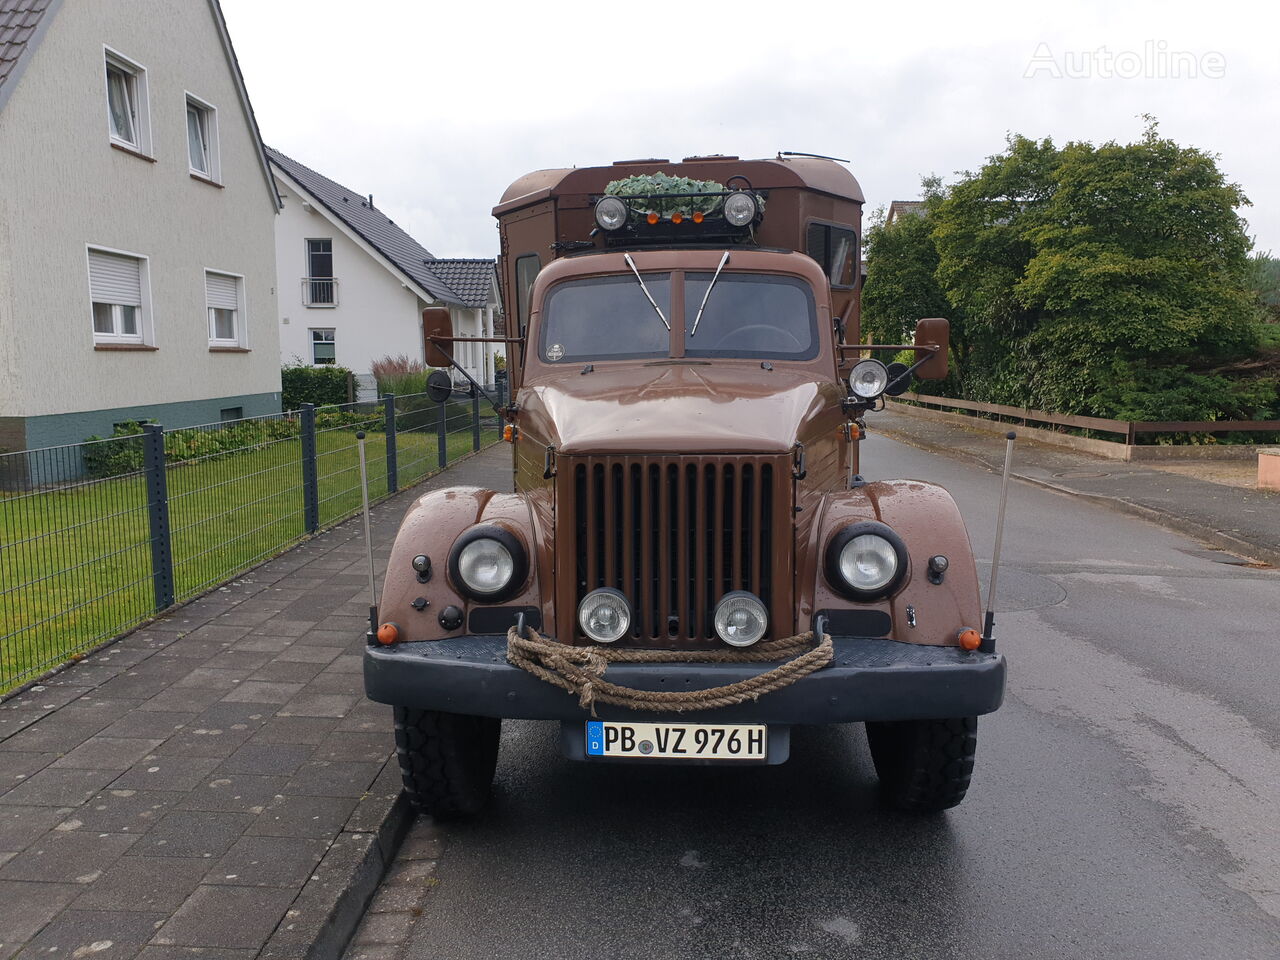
[75, 560]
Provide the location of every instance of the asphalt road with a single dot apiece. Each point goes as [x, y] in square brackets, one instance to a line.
[1126, 801]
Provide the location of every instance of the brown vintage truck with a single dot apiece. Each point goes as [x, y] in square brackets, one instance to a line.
[688, 393]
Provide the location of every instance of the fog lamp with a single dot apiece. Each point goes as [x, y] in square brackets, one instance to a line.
[739, 209]
[604, 615]
[611, 213]
[740, 619]
[868, 379]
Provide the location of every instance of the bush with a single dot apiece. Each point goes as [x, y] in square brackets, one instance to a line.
[318, 385]
[117, 455]
[400, 375]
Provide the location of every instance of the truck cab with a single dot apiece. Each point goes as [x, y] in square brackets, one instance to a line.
[688, 393]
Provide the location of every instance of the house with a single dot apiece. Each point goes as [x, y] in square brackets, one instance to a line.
[904, 208]
[353, 284]
[137, 260]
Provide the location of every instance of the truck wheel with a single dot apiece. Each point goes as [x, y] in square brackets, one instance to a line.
[924, 765]
[446, 759]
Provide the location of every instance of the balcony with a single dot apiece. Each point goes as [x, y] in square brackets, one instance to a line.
[320, 292]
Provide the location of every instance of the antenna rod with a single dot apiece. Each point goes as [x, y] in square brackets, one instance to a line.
[988, 641]
[368, 540]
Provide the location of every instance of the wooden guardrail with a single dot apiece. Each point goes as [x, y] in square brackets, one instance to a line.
[1129, 429]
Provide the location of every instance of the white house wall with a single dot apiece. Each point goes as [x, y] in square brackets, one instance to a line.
[64, 186]
[376, 315]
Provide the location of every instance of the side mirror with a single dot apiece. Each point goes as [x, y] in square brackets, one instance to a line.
[933, 331]
[436, 322]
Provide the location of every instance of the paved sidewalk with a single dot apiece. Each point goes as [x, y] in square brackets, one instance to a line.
[215, 784]
[1236, 519]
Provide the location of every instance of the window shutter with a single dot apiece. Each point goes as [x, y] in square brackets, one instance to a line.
[222, 291]
[115, 279]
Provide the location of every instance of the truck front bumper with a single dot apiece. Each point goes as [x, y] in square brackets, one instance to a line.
[868, 679]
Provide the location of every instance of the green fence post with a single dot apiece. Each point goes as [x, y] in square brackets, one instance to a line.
[310, 482]
[158, 513]
[393, 480]
[442, 435]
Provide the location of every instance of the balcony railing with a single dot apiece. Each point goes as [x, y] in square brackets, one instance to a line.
[319, 291]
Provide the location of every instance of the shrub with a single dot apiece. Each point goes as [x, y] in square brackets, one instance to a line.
[318, 385]
[115, 456]
[400, 375]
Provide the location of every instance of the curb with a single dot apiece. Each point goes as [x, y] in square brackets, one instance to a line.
[1206, 534]
[320, 923]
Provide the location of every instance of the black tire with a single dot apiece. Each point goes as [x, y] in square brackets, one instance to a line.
[446, 759]
[924, 765]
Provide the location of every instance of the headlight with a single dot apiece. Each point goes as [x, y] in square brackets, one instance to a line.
[866, 561]
[488, 564]
[739, 209]
[604, 615]
[740, 619]
[611, 213]
[868, 379]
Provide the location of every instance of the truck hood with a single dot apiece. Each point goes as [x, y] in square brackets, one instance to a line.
[672, 406]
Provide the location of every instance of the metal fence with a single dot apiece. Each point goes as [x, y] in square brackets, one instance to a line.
[97, 537]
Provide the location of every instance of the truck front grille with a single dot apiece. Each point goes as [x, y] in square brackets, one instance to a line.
[674, 534]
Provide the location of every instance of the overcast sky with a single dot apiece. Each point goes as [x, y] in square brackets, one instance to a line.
[436, 107]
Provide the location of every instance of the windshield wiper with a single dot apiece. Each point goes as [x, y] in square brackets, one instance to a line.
[710, 287]
[661, 316]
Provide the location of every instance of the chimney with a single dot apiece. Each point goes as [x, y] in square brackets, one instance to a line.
[371, 201]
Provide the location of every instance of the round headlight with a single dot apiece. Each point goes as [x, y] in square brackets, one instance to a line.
[866, 561]
[488, 564]
[868, 379]
[604, 615]
[739, 209]
[611, 213]
[740, 619]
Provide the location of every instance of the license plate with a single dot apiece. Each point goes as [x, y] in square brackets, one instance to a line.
[677, 741]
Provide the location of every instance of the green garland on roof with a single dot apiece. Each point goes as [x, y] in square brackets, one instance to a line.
[647, 184]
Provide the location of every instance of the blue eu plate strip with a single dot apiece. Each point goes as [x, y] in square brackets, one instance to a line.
[595, 738]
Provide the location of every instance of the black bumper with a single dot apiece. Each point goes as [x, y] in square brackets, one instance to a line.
[869, 679]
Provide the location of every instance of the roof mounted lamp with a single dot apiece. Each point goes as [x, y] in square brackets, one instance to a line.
[611, 213]
[740, 209]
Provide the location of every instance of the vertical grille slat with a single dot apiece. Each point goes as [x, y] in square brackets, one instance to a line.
[675, 534]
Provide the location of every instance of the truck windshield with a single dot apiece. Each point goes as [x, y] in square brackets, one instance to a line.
[606, 318]
[750, 315]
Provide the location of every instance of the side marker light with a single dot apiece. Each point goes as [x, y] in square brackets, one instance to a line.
[652, 218]
[509, 433]
[388, 634]
[969, 638]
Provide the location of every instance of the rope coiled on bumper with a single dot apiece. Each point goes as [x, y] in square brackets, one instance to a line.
[580, 670]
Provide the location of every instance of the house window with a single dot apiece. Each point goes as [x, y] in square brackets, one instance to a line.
[202, 139]
[319, 288]
[227, 414]
[224, 295]
[117, 283]
[127, 115]
[833, 247]
[324, 348]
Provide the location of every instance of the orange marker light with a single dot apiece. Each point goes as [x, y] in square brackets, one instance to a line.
[677, 218]
[970, 639]
[509, 433]
[697, 216]
[388, 634]
[652, 218]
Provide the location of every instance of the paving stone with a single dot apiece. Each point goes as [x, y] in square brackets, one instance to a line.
[108, 753]
[239, 793]
[144, 884]
[188, 833]
[384, 928]
[291, 816]
[42, 737]
[394, 897]
[219, 631]
[207, 678]
[309, 704]
[259, 644]
[59, 787]
[166, 773]
[351, 664]
[198, 740]
[237, 658]
[278, 759]
[17, 766]
[260, 692]
[290, 671]
[284, 627]
[190, 648]
[70, 857]
[415, 872]
[233, 715]
[313, 730]
[361, 746]
[144, 724]
[332, 638]
[29, 906]
[268, 862]
[22, 826]
[319, 778]
[226, 916]
[124, 811]
[183, 700]
[373, 951]
[307, 653]
[102, 934]
[196, 953]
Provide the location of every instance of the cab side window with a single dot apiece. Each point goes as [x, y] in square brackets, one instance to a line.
[834, 249]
